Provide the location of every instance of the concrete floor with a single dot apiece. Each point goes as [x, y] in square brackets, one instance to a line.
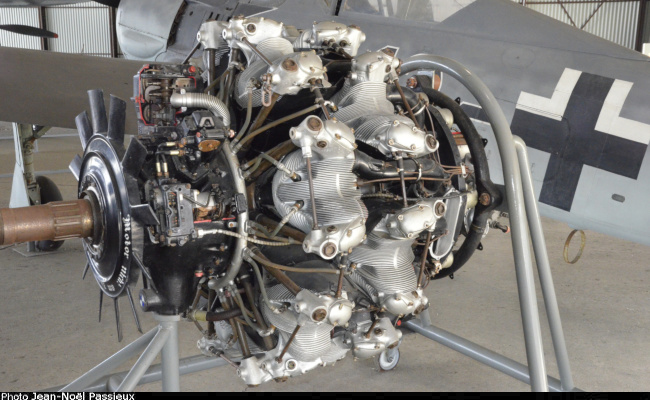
[49, 332]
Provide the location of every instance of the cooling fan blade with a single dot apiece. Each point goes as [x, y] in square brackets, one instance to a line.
[108, 175]
[75, 166]
[117, 119]
[85, 129]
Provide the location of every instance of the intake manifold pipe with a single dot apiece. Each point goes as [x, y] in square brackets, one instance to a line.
[59, 220]
[201, 100]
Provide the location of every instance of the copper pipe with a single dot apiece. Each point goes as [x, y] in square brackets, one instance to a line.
[400, 165]
[211, 297]
[372, 327]
[339, 287]
[342, 265]
[57, 220]
[275, 123]
[312, 195]
[256, 51]
[277, 152]
[264, 113]
[248, 289]
[280, 276]
[286, 347]
[319, 99]
[406, 103]
[286, 230]
[212, 69]
[423, 264]
[238, 328]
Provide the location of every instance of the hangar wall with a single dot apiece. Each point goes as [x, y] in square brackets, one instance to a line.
[83, 28]
[614, 20]
[86, 27]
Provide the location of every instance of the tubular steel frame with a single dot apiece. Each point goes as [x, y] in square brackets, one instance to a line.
[522, 207]
[524, 219]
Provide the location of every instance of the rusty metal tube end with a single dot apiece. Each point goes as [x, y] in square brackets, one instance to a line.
[59, 220]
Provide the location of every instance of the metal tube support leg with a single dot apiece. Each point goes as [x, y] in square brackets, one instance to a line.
[544, 268]
[514, 195]
[145, 360]
[108, 365]
[188, 365]
[481, 354]
[169, 356]
[425, 318]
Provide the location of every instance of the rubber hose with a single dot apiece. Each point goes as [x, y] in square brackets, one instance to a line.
[481, 171]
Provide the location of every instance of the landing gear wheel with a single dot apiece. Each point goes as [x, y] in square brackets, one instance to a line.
[49, 193]
[387, 360]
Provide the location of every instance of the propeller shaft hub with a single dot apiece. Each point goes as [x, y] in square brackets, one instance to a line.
[57, 220]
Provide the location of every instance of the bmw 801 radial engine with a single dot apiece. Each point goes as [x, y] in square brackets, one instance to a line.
[284, 193]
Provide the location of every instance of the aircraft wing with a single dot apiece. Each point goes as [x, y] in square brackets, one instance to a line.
[49, 89]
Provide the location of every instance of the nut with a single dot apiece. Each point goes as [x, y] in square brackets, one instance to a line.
[485, 199]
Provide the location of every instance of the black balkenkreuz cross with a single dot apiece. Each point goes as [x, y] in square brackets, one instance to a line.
[573, 141]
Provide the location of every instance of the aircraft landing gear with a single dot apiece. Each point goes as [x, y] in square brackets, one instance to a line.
[49, 192]
[27, 188]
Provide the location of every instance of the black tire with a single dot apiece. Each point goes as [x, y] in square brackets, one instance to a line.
[49, 192]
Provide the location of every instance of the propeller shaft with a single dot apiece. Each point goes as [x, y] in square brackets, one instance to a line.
[57, 220]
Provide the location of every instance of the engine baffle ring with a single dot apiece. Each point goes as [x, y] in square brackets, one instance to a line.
[109, 255]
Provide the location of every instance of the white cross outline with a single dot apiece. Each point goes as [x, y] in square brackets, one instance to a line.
[609, 119]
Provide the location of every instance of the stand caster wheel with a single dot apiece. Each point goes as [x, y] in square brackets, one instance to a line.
[387, 360]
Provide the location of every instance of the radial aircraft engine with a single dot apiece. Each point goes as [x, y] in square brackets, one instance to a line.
[288, 196]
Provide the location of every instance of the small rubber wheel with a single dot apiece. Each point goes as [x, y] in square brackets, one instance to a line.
[387, 360]
[49, 192]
